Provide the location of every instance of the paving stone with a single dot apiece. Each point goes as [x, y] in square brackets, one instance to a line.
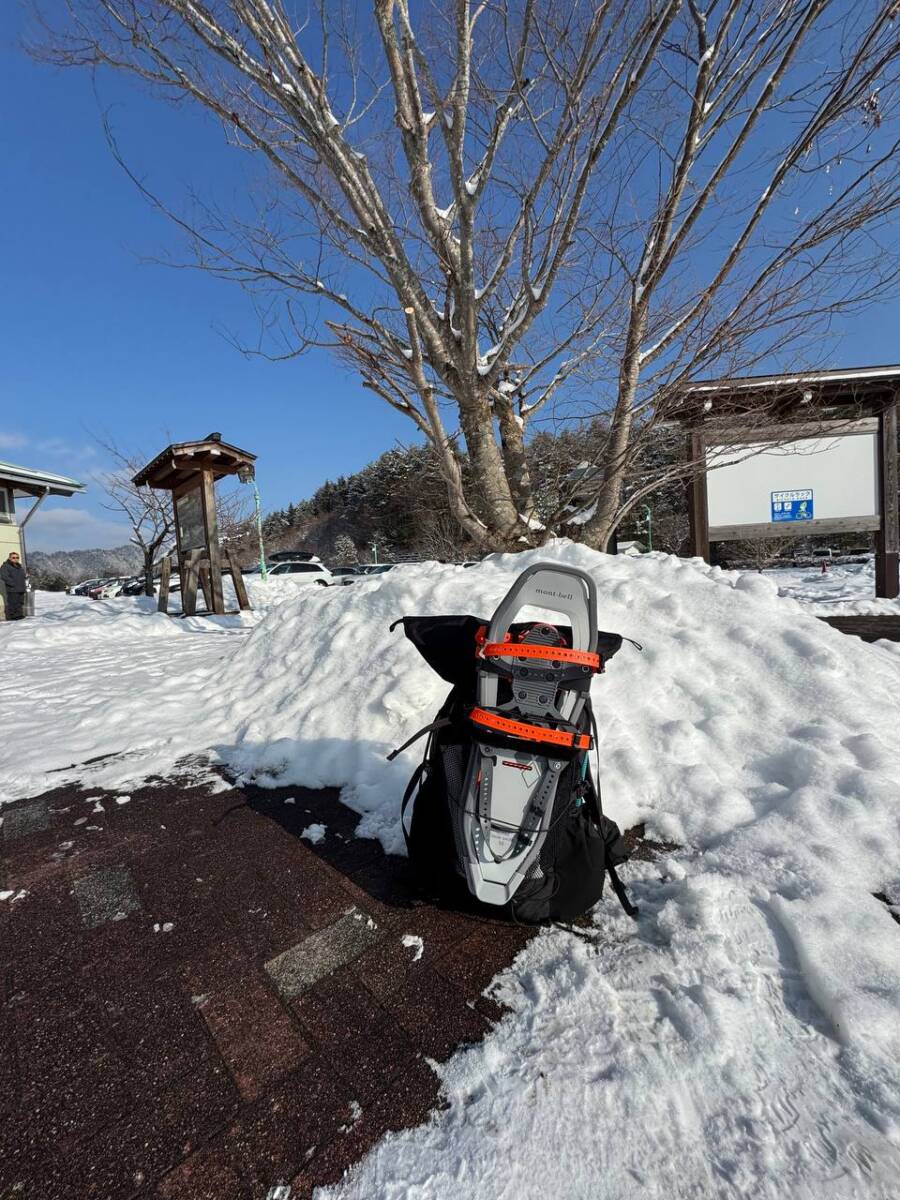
[203, 1176]
[264, 916]
[391, 965]
[9, 1072]
[150, 1138]
[356, 1033]
[106, 895]
[157, 1029]
[322, 953]
[19, 820]
[271, 1140]
[216, 968]
[315, 890]
[472, 963]
[435, 1015]
[44, 935]
[255, 1035]
[405, 1103]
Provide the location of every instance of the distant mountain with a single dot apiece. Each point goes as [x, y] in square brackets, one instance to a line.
[76, 565]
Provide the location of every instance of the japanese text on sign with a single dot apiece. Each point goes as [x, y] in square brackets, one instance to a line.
[793, 506]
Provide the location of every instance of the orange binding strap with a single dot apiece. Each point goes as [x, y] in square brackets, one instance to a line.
[554, 653]
[532, 733]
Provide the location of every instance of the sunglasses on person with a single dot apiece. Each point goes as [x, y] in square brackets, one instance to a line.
[15, 556]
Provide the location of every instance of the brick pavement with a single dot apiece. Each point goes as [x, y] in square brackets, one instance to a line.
[197, 1003]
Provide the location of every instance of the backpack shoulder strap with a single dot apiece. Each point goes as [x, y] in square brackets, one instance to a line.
[621, 895]
[438, 724]
[411, 788]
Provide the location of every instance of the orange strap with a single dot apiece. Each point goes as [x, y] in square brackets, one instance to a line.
[533, 733]
[527, 650]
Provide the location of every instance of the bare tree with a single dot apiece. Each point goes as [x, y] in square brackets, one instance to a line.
[439, 536]
[520, 210]
[762, 553]
[149, 512]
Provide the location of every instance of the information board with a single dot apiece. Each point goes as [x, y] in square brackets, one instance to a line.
[189, 513]
[813, 479]
[793, 506]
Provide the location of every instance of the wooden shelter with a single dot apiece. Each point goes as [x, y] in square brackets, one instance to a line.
[795, 413]
[189, 470]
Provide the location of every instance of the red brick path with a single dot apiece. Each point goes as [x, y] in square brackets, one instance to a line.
[148, 1050]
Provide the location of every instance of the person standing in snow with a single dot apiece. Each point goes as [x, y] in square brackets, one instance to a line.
[12, 573]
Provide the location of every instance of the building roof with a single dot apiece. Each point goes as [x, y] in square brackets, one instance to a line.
[851, 391]
[182, 460]
[28, 482]
[878, 375]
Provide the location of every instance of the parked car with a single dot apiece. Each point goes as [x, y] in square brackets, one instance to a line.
[374, 568]
[813, 558]
[303, 572]
[133, 586]
[82, 589]
[293, 556]
[344, 575]
[107, 589]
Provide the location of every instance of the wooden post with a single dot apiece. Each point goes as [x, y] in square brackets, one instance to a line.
[240, 588]
[887, 540]
[165, 573]
[698, 504]
[208, 491]
[203, 572]
[190, 576]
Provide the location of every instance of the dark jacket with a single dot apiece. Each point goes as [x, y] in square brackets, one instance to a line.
[13, 576]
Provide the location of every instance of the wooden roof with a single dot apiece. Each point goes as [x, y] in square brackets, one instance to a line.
[806, 395]
[182, 460]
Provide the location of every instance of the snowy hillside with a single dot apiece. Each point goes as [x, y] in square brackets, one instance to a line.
[740, 1039]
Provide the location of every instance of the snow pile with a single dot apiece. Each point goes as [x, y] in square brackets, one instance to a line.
[87, 679]
[744, 1035]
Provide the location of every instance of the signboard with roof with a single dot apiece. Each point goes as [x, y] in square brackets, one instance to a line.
[189, 470]
[796, 456]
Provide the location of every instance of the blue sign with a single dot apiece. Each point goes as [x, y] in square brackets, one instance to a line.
[793, 506]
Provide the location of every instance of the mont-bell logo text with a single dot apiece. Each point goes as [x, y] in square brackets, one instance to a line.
[555, 595]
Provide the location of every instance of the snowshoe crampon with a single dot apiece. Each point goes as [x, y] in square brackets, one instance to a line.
[531, 691]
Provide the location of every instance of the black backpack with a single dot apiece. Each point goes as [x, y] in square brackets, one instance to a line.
[583, 846]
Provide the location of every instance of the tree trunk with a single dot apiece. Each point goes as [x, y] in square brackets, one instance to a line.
[515, 460]
[148, 572]
[599, 529]
[499, 508]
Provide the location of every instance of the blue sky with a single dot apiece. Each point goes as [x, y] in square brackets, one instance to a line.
[97, 341]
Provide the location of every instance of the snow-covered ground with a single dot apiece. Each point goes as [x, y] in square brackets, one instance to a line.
[742, 1038]
[841, 590]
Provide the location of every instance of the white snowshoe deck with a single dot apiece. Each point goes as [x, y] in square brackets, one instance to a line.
[510, 792]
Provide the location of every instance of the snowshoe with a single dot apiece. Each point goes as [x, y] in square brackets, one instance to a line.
[530, 693]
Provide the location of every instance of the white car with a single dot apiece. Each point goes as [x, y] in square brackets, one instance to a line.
[303, 572]
[108, 590]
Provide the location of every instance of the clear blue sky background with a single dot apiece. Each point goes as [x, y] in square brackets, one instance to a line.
[96, 341]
